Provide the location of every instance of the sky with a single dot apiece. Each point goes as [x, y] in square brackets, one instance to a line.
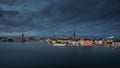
[59, 17]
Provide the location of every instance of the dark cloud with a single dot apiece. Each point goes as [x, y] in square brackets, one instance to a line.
[8, 13]
[11, 2]
[60, 16]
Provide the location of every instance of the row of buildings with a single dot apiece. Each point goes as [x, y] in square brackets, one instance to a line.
[22, 38]
[109, 41]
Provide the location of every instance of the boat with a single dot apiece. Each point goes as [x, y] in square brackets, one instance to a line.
[59, 44]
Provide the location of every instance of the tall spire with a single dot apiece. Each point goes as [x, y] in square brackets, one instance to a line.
[22, 38]
[22, 35]
[74, 35]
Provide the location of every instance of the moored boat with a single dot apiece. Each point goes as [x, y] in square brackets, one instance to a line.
[59, 44]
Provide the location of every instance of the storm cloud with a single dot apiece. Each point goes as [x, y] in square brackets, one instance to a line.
[46, 17]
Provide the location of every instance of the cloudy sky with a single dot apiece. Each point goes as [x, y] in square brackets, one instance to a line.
[60, 17]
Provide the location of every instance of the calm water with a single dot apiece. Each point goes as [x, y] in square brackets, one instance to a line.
[42, 55]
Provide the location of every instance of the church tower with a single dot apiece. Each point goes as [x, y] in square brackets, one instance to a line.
[74, 36]
[22, 37]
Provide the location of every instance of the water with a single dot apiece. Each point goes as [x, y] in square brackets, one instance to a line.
[42, 55]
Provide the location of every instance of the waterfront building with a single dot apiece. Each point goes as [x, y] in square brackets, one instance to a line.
[86, 42]
[17, 40]
[64, 41]
[53, 41]
[117, 44]
[21, 39]
[99, 42]
[74, 41]
[110, 40]
[5, 39]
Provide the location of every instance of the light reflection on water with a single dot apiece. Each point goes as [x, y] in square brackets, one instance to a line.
[36, 54]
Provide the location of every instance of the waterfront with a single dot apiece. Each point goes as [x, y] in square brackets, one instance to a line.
[42, 55]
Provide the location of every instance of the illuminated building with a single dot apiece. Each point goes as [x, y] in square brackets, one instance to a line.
[86, 42]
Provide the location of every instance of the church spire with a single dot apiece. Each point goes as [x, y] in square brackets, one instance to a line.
[22, 35]
[74, 35]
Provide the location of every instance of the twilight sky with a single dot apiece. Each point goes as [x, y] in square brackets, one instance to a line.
[60, 17]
